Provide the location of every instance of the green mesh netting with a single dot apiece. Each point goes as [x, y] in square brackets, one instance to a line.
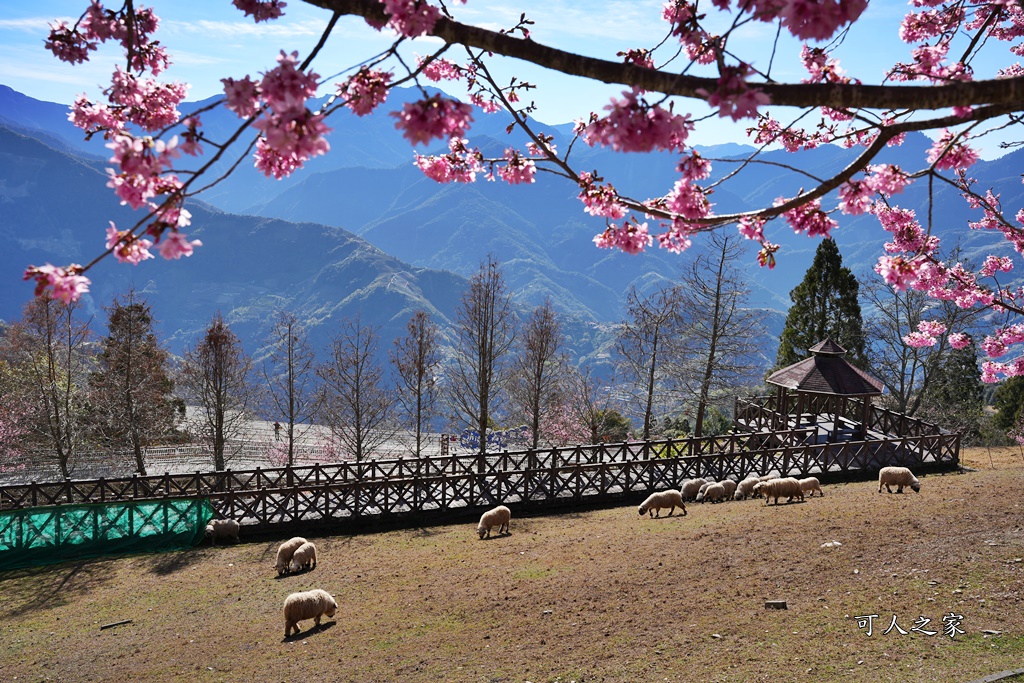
[37, 536]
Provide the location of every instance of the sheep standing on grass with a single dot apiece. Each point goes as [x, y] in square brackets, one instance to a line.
[690, 488]
[498, 517]
[285, 552]
[713, 493]
[730, 488]
[745, 488]
[670, 499]
[898, 477]
[779, 487]
[222, 529]
[307, 605]
[809, 485]
[304, 558]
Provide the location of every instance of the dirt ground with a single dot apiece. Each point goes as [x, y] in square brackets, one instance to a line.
[594, 595]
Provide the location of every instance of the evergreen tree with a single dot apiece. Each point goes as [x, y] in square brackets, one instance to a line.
[825, 305]
[1008, 400]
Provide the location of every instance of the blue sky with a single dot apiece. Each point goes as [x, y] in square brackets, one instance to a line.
[210, 39]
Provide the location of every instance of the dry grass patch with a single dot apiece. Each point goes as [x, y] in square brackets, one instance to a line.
[595, 595]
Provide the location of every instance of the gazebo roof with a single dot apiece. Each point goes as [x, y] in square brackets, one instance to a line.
[827, 372]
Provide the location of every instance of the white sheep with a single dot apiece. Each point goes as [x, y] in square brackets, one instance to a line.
[670, 498]
[779, 487]
[303, 558]
[285, 552]
[898, 477]
[811, 484]
[690, 488]
[730, 488]
[745, 487]
[307, 605]
[714, 493]
[498, 517]
[222, 528]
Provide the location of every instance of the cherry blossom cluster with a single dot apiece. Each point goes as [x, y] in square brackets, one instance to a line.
[517, 168]
[433, 117]
[73, 44]
[808, 218]
[631, 237]
[460, 165]
[261, 10]
[366, 90]
[927, 334]
[291, 133]
[598, 199]
[683, 17]
[633, 125]
[66, 284]
[734, 97]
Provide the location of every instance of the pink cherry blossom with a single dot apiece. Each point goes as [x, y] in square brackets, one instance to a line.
[433, 117]
[734, 97]
[460, 165]
[261, 10]
[600, 200]
[631, 237]
[411, 17]
[440, 69]
[243, 96]
[66, 284]
[174, 245]
[959, 340]
[947, 155]
[517, 169]
[809, 218]
[365, 90]
[898, 271]
[126, 247]
[633, 125]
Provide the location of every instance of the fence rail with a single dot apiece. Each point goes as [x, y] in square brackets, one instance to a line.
[357, 491]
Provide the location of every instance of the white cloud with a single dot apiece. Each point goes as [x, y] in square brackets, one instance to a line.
[235, 29]
[40, 25]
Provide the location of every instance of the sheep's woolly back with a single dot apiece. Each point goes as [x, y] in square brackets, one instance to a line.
[811, 484]
[730, 488]
[304, 557]
[690, 488]
[222, 528]
[780, 487]
[496, 517]
[670, 499]
[898, 477]
[285, 552]
[745, 488]
[307, 605]
[714, 492]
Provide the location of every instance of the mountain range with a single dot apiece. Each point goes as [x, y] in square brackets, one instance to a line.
[362, 231]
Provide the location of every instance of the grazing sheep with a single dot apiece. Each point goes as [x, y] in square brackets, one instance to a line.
[779, 487]
[730, 488]
[670, 499]
[745, 488]
[898, 477]
[713, 493]
[285, 552]
[222, 528]
[304, 558]
[690, 488]
[811, 484]
[307, 605]
[498, 517]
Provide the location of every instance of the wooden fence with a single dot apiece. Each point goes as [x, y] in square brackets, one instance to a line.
[352, 493]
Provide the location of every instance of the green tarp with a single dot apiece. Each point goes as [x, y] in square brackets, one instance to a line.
[44, 535]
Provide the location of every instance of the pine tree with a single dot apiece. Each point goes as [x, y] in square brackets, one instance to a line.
[825, 305]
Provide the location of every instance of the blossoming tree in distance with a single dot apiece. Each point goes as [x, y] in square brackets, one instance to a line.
[697, 62]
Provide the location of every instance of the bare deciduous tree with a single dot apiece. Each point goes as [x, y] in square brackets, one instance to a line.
[643, 348]
[539, 369]
[485, 332]
[131, 390]
[217, 374]
[416, 358]
[716, 348]
[357, 406]
[47, 352]
[290, 377]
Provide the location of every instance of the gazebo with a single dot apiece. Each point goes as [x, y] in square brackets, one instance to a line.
[821, 382]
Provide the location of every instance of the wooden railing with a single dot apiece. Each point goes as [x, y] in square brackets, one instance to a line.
[375, 489]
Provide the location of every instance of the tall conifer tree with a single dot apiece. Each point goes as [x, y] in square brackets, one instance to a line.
[825, 305]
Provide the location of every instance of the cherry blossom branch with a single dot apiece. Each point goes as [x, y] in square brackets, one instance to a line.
[1007, 91]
